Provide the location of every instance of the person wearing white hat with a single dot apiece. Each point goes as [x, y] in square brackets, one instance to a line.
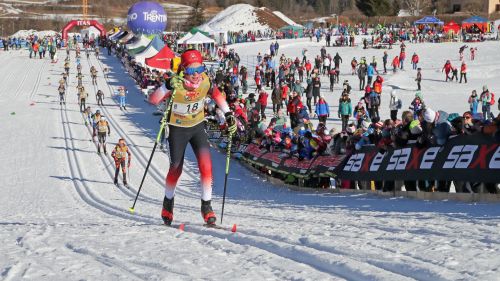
[395, 104]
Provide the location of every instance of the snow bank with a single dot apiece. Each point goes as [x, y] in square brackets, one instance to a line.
[9, 9]
[285, 18]
[27, 33]
[235, 18]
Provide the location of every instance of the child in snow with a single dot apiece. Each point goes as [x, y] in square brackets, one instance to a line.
[395, 64]
[419, 78]
[360, 114]
[454, 70]
[414, 60]
[473, 102]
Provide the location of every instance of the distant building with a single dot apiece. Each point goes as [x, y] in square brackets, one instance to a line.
[484, 6]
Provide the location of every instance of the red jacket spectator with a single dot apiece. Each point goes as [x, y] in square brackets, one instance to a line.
[295, 105]
[377, 85]
[263, 98]
[447, 67]
[395, 62]
[308, 66]
[463, 68]
[414, 59]
[284, 92]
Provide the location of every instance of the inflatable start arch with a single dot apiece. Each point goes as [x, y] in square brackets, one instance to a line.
[74, 23]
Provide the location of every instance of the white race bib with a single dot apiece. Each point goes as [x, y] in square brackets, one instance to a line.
[187, 108]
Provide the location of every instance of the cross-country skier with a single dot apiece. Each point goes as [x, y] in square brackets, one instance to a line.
[186, 126]
[120, 155]
[82, 96]
[94, 119]
[122, 93]
[62, 94]
[93, 73]
[66, 67]
[102, 129]
[99, 96]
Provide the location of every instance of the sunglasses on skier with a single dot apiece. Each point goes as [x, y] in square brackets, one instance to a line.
[192, 70]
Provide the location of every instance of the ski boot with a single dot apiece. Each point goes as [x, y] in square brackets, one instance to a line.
[207, 213]
[167, 212]
[116, 181]
[125, 180]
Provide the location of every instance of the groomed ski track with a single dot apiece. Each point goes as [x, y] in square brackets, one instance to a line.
[63, 219]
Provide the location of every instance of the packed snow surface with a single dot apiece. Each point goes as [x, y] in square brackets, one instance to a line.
[63, 219]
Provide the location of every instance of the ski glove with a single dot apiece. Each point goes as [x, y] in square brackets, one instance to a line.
[177, 82]
[231, 123]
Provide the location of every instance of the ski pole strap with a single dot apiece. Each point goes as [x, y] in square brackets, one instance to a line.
[166, 116]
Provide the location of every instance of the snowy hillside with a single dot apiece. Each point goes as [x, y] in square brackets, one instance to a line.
[248, 18]
[63, 219]
[235, 18]
[285, 18]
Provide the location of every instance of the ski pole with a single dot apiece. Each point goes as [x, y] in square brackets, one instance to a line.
[228, 158]
[128, 174]
[158, 140]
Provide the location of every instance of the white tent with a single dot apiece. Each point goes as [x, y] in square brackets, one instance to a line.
[91, 32]
[184, 38]
[199, 42]
[153, 48]
[199, 38]
[220, 36]
[143, 41]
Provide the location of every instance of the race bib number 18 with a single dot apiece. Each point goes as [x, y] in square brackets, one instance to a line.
[187, 108]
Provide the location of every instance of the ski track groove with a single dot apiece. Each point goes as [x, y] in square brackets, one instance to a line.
[38, 80]
[30, 241]
[8, 76]
[21, 84]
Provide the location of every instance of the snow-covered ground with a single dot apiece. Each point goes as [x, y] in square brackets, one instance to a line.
[63, 219]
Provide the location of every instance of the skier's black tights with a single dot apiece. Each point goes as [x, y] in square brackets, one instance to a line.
[177, 141]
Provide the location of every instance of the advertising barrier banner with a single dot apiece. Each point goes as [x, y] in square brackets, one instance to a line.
[464, 158]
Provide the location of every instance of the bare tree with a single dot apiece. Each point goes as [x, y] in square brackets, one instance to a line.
[415, 6]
